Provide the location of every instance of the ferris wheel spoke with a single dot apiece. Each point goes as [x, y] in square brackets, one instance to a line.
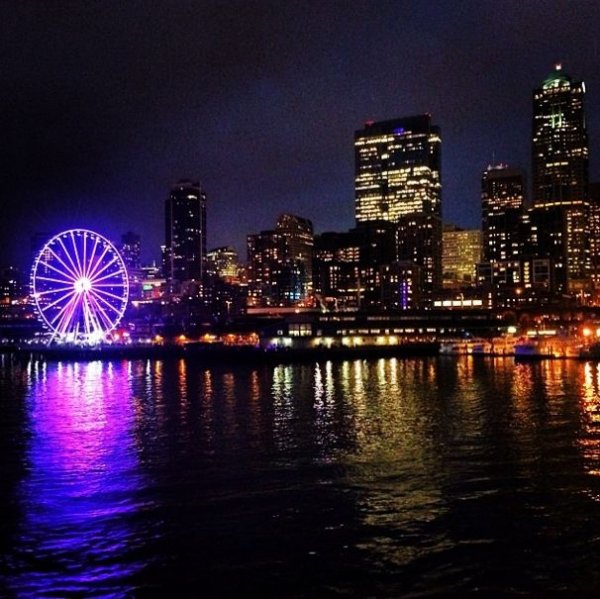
[106, 266]
[92, 323]
[52, 291]
[65, 265]
[93, 269]
[105, 277]
[100, 312]
[107, 294]
[76, 252]
[90, 260]
[109, 285]
[52, 280]
[84, 262]
[105, 301]
[56, 270]
[62, 298]
[65, 316]
[74, 270]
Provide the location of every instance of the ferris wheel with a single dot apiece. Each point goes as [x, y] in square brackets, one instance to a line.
[80, 287]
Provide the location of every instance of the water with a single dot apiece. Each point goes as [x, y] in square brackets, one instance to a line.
[379, 478]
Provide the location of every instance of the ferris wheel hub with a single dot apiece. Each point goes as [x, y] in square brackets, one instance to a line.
[82, 285]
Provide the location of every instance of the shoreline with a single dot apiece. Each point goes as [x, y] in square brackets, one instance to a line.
[227, 354]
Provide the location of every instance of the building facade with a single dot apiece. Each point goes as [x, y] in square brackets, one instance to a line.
[560, 179]
[280, 263]
[398, 179]
[462, 251]
[502, 206]
[184, 257]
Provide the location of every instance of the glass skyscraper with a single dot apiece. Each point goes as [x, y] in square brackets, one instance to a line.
[560, 213]
[185, 236]
[398, 179]
[502, 206]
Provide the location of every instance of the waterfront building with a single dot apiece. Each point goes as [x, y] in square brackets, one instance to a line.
[398, 179]
[225, 292]
[11, 287]
[502, 205]
[559, 218]
[280, 263]
[265, 256]
[594, 199]
[130, 250]
[223, 262]
[462, 251]
[298, 236]
[184, 253]
[356, 269]
[336, 270]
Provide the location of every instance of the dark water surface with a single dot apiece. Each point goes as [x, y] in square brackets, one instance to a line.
[379, 478]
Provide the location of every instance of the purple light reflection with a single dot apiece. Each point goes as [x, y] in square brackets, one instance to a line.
[80, 532]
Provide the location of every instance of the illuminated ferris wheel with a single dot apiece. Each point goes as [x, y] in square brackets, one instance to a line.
[80, 287]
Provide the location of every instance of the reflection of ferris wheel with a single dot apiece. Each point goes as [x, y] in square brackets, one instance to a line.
[80, 287]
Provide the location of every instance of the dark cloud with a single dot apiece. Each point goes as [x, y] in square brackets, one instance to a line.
[104, 104]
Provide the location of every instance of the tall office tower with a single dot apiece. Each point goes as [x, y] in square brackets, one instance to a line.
[297, 233]
[462, 251]
[560, 179]
[266, 251]
[398, 179]
[280, 263]
[502, 205]
[185, 240]
[130, 250]
[352, 268]
[223, 263]
[594, 198]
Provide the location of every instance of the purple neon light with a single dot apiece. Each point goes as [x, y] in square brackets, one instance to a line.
[80, 286]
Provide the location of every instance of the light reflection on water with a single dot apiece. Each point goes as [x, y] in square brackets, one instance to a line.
[81, 482]
[365, 477]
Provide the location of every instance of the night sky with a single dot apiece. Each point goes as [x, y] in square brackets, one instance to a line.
[105, 104]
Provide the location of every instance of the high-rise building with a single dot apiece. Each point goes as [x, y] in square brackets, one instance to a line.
[280, 263]
[185, 240]
[398, 179]
[223, 263]
[559, 141]
[297, 233]
[502, 205]
[594, 198]
[398, 166]
[130, 250]
[266, 251]
[560, 213]
[358, 269]
[462, 252]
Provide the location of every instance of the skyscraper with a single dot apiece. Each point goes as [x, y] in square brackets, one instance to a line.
[298, 236]
[559, 141]
[185, 238]
[462, 252]
[280, 263]
[398, 166]
[130, 250]
[398, 179]
[560, 213]
[502, 205]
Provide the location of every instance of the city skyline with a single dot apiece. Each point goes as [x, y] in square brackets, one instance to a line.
[281, 142]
